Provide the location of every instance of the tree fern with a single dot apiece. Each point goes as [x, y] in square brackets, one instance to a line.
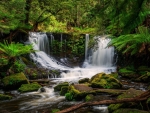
[132, 43]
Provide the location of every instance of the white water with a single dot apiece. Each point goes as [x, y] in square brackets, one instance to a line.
[41, 58]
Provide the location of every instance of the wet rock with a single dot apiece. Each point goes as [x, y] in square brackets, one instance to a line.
[29, 87]
[14, 81]
[103, 80]
[59, 86]
[42, 89]
[79, 91]
[84, 80]
[64, 90]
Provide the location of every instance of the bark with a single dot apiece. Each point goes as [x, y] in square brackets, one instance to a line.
[139, 98]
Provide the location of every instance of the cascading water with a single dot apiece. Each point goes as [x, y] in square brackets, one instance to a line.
[41, 44]
[103, 56]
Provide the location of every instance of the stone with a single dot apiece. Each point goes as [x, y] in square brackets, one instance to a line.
[102, 80]
[29, 87]
[14, 81]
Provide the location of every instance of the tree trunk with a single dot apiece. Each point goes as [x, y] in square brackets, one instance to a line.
[141, 97]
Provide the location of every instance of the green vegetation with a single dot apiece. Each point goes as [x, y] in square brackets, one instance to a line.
[55, 110]
[5, 97]
[14, 81]
[29, 87]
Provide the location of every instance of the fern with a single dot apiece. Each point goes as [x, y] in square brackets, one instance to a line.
[132, 43]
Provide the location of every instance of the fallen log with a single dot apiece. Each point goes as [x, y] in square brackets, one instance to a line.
[139, 98]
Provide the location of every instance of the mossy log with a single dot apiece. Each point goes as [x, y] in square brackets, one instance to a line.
[142, 97]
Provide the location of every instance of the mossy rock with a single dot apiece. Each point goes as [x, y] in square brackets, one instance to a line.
[79, 91]
[5, 97]
[64, 90]
[59, 86]
[124, 72]
[14, 81]
[29, 87]
[131, 93]
[128, 110]
[84, 80]
[143, 78]
[102, 80]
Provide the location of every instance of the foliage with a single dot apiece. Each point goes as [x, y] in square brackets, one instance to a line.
[18, 67]
[133, 43]
[15, 49]
[5, 97]
[69, 96]
[55, 110]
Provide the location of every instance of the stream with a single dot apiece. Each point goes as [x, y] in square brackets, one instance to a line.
[101, 60]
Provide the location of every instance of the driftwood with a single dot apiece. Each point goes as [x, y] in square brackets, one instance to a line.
[139, 98]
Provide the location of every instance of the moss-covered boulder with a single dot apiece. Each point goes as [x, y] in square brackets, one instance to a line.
[59, 86]
[128, 110]
[29, 87]
[14, 81]
[79, 91]
[5, 97]
[127, 73]
[102, 80]
[84, 80]
[128, 94]
[64, 90]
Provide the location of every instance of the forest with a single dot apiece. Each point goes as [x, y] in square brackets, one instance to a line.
[125, 22]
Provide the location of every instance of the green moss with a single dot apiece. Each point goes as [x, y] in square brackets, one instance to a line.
[5, 97]
[59, 86]
[69, 96]
[89, 97]
[148, 101]
[15, 80]
[124, 70]
[64, 90]
[102, 80]
[113, 107]
[84, 80]
[29, 87]
[55, 110]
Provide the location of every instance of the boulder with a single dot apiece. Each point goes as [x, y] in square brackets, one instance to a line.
[102, 80]
[14, 81]
[60, 85]
[84, 80]
[78, 92]
[29, 87]
[5, 97]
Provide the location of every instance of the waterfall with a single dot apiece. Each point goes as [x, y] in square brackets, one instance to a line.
[86, 46]
[102, 56]
[41, 58]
